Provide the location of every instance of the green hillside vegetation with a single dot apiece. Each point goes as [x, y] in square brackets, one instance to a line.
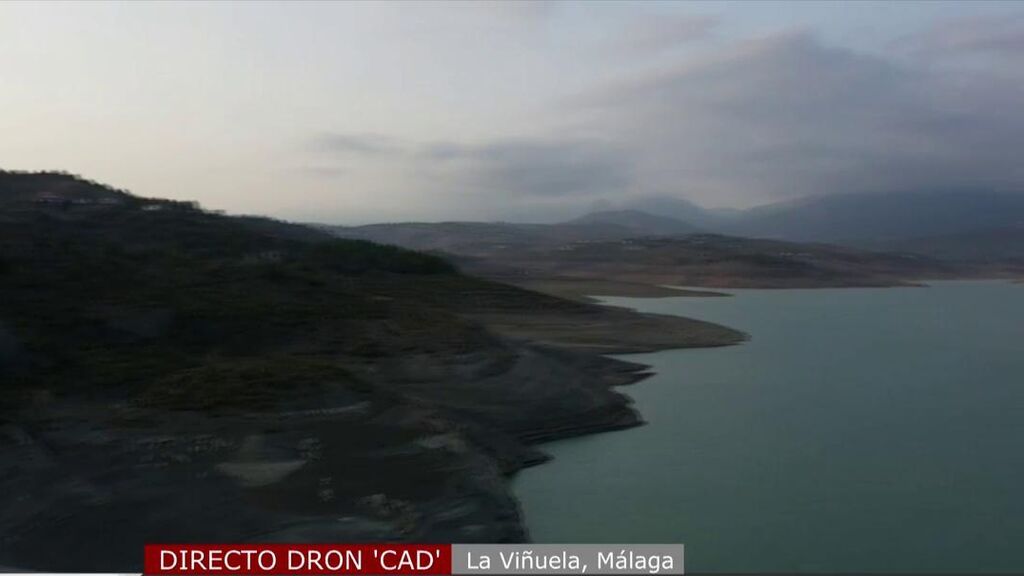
[115, 298]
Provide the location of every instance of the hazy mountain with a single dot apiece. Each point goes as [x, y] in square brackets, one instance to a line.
[640, 222]
[876, 219]
[680, 209]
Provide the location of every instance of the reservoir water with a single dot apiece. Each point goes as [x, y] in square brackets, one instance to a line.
[858, 430]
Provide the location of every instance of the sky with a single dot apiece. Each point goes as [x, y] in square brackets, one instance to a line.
[536, 111]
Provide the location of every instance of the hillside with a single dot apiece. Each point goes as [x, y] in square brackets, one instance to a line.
[26, 189]
[1001, 245]
[465, 237]
[711, 260]
[638, 222]
[462, 237]
[635, 264]
[171, 374]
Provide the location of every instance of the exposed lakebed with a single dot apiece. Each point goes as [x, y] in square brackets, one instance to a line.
[858, 430]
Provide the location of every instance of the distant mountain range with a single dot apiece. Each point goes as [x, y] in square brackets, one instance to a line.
[962, 226]
[880, 220]
[851, 218]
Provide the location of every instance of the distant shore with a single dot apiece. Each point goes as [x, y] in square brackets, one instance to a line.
[590, 289]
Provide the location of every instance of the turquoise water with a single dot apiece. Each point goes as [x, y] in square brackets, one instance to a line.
[859, 430]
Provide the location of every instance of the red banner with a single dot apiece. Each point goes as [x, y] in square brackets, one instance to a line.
[299, 559]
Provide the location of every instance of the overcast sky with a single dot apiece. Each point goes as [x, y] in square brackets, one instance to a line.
[537, 111]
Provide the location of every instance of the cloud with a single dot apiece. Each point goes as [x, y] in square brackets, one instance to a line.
[754, 121]
[653, 33]
[367, 144]
[531, 178]
[787, 116]
[534, 167]
[323, 171]
[1001, 36]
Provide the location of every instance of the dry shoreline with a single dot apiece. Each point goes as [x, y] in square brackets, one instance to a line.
[590, 290]
[427, 458]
